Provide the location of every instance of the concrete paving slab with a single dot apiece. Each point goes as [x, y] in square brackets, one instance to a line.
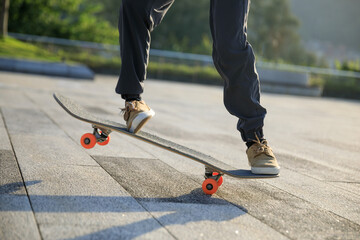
[333, 199]
[14, 224]
[178, 203]
[308, 201]
[133, 230]
[15, 99]
[4, 140]
[120, 146]
[267, 203]
[287, 213]
[323, 173]
[67, 189]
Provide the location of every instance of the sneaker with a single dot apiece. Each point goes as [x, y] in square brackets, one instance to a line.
[136, 114]
[261, 158]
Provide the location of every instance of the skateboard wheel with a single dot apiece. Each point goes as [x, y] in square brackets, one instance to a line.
[210, 186]
[104, 142]
[88, 140]
[220, 180]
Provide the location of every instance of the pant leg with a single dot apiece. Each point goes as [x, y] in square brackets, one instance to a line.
[137, 19]
[235, 61]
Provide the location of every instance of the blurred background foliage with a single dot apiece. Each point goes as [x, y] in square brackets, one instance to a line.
[273, 29]
[70, 19]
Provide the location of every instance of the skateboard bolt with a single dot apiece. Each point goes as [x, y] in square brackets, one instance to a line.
[209, 186]
[86, 141]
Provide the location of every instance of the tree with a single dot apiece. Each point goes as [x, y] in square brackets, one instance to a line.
[72, 19]
[4, 15]
[185, 27]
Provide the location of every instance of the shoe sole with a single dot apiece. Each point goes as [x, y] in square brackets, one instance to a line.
[140, 121]
[265, 170]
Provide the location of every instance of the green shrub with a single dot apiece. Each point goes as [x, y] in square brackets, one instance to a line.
[348, 65]
[342, 87]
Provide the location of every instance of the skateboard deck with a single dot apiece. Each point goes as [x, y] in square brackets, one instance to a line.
[103, 127]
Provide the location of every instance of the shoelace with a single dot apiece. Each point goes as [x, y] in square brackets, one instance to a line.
[262, 145]
[127, 108]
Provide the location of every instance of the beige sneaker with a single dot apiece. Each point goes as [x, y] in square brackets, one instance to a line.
[261, 158]
[136, 114]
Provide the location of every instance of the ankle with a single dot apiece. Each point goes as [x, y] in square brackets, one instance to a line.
[131, 97]
[250, 143]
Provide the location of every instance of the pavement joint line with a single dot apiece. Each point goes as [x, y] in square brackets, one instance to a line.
[343, 182]
[281, 190]
[311, 203]
[167, 230]
[218, 194]
[237, 206]
[60, 127]
[82, 165]
[21, 174]
[285, 155]
[56, 124]
[325, 181]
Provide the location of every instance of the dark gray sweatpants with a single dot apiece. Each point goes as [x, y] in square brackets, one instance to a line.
[232, 54]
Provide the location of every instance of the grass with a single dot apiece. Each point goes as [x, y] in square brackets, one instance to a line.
[13, 48]
[9, 47]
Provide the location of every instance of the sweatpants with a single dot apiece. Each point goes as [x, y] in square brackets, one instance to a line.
[233, 56]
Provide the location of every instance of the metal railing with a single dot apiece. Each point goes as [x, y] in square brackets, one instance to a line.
[204, 59]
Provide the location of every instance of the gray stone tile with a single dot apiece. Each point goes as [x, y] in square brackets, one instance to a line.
[289, 214]
[308, 201]
[16, 216]
[179, 204]
[4, 140]
[71, 189]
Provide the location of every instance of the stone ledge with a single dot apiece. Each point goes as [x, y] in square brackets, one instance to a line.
[46, 68]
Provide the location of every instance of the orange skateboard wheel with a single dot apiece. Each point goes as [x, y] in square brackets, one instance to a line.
[88, 140]
[220, 180]
[104, 142]
[210, 186]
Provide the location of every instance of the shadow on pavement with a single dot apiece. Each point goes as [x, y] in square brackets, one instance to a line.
[192, 207]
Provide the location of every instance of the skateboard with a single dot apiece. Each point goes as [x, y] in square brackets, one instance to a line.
[214, 169]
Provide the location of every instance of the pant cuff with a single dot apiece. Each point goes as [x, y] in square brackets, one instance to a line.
[249, 136]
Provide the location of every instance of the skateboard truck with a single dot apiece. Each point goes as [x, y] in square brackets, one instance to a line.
[100, 136]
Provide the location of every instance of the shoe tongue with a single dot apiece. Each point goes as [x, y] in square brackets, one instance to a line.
[131, 104]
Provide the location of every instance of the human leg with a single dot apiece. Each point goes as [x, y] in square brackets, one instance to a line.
[137, 19]
[235, 61]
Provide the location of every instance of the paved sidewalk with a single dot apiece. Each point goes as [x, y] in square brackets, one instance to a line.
[52, 188]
